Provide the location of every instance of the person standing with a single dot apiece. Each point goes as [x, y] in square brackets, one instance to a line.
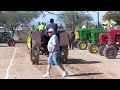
[71, 40]
[54, 54]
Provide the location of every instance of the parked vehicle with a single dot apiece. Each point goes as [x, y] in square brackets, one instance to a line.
[22, 27]
[88, 37]
[94, 45]
[7, 37]
[110, 43]
[83, 37]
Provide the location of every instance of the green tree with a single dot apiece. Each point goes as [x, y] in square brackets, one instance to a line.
[74, 18]
[87, 19]
[13, 18]
[112, 15]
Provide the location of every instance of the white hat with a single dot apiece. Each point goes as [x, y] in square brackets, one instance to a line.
[51, 30]
[83, 26]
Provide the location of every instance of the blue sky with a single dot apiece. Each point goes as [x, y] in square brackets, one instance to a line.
[95, 17]
[48, 16]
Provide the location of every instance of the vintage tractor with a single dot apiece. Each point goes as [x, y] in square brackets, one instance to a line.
[77, 37]
[110, 43]
[7, 37]
[84, 37]
[94, 45]
[36, 42]
[87, 36]
[103, 39]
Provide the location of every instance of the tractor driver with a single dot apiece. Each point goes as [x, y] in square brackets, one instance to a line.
[52, 25]
[41, 27]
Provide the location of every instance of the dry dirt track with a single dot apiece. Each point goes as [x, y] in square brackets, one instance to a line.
[15, 64]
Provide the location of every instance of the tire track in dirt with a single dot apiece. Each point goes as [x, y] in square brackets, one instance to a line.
[22, 68]
[42, 67]
[5, 56]
[79, 66]
[77, 70]
[106, 66]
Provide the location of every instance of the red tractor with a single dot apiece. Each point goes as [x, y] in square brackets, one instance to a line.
[103, 39]
[110, 43]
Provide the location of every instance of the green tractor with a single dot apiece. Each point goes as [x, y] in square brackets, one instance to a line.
[77, 37]
[83, 37]
[88, 36]
[94, 45]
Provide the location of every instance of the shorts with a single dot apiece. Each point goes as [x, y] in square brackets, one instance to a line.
[55, 59]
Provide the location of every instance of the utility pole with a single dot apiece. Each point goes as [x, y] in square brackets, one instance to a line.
[87, 24]
[98, 17]
[73, 26]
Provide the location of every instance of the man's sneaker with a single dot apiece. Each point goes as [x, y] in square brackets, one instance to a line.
[65, 73]
[46, 75]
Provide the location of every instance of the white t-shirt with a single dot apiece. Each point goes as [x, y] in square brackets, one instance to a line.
[53, 41]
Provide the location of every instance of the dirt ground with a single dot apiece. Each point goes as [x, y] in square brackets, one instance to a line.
[15, 64]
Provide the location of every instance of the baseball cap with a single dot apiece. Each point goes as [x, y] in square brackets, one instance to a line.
[51, 30]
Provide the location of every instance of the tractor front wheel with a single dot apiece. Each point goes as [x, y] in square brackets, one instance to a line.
[100, 50]
[29, 41]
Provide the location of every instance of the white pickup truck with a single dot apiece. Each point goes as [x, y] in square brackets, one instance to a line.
[22, 27]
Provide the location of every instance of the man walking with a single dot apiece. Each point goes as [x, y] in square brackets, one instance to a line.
[54, 53]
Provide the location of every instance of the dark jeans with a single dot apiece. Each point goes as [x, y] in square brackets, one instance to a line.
[71, 44]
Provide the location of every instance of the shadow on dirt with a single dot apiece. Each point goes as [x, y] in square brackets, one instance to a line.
[71, 61]
[7, 46]
[80, 61]
[4, 46]
[84, 74]
[42, 63]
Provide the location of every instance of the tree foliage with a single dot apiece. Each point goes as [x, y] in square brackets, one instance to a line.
[74, 18]
[112, 15]
[13, 18]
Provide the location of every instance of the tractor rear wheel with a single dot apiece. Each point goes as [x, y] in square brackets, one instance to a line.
[82, 45]
[110, 52]
[34, 55]
[93, 48]
[34, 52]
[11, 42]
[64, 54]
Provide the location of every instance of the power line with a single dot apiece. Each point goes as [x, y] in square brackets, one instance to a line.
[52, 13]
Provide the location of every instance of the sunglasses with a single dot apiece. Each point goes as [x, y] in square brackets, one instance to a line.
[49, 32]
